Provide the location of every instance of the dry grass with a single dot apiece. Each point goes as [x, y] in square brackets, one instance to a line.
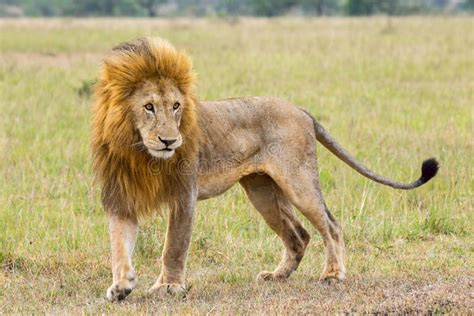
[392, 95]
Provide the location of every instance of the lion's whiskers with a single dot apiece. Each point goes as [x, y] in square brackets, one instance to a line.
[140, 146]
[137, 144]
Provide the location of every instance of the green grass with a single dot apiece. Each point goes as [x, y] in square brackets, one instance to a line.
[391, 95]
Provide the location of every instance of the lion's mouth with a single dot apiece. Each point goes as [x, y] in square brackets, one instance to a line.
[167, 149]
[163, 153]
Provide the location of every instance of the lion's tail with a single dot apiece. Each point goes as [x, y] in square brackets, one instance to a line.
[429, 167]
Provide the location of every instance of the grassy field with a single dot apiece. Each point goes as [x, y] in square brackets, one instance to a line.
[392, 94]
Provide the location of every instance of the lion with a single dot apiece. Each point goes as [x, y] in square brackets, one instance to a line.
[154, 145]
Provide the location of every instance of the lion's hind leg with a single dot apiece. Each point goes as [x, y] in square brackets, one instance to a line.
[303, 190]
[278, 213]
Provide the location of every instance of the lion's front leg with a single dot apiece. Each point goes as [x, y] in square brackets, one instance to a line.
[175, 252]
[123, 233]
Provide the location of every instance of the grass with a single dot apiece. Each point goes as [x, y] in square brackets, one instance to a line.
[391, 95]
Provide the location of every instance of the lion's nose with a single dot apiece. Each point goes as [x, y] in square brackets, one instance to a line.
[167, 142]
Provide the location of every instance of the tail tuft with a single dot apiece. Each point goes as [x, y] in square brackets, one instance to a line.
[429, 169]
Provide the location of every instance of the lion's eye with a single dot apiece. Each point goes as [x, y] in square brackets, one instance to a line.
[149, 107]
[176, 106]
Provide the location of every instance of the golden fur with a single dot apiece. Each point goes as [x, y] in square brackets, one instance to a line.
[132, 185]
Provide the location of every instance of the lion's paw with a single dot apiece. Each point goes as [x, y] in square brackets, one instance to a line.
[164, 289]
[269, 276]
[332, 276]
[120, 290]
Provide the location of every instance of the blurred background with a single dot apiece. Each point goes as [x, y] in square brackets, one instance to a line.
[151, 8]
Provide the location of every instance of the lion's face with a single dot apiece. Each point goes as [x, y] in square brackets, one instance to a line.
[157, 109]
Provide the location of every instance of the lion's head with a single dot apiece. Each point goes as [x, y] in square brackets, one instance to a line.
[144, 111]
[157, 108]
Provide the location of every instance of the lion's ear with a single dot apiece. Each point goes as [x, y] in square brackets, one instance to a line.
[118, 128]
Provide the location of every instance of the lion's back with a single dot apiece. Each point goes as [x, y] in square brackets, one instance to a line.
[258, 115]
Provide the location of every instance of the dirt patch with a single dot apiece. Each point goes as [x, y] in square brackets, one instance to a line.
[440, 297]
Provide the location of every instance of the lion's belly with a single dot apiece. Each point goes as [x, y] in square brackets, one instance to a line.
[214, 182]
[214, 186]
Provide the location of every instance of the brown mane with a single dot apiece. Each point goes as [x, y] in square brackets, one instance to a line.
[133, 183]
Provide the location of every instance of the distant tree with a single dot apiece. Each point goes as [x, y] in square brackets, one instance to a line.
[360, 7]
[129, 8]
[151, 6]
[87, 7]
[271, 7]
[41, 7]
[190, 7]
[233, 7]
[468, 5]
[107, 8]
[389, 7]
[320, 7]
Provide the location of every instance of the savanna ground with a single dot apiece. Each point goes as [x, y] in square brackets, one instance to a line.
[393, 94]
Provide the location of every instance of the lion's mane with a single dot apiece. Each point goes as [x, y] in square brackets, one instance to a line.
[133, 183]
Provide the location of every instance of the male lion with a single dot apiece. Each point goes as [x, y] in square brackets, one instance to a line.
[155, 144]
